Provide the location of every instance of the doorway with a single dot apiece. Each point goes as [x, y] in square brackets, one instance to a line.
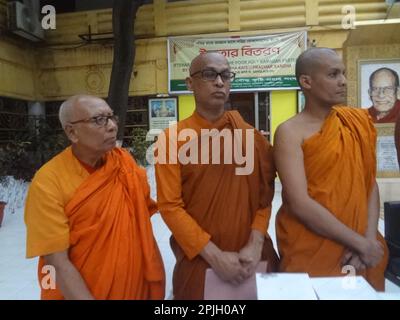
[243, 102]
[254, 107]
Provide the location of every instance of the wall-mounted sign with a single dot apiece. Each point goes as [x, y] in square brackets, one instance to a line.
[260, 63]
[162, 112]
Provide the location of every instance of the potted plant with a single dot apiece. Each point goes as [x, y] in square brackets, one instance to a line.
[26, 153]
[138, 145]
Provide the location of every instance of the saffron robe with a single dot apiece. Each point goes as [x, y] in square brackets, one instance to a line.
[202, 202]
[103, 219]
[340, 168]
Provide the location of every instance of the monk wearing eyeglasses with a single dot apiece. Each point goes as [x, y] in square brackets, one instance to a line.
[217, 213]
[88, 214]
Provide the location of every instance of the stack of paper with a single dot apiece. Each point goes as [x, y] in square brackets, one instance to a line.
[343, 288]
[292, 286]
[388, 296]
[217, 289]
[284, 286]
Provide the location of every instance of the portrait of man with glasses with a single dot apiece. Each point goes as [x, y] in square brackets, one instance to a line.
[384, 93]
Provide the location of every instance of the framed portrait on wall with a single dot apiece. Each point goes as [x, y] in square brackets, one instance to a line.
[162, 112]
[378, 90]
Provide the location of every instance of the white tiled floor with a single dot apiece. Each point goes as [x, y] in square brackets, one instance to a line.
[18, 275]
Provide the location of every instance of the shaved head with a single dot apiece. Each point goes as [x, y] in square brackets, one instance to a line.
[90, 137]
[73, 105]
[311, 60]
[210, 81]
[203, 58]
[320, 73]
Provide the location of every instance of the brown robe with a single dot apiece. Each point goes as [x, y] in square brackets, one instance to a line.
[202, 202]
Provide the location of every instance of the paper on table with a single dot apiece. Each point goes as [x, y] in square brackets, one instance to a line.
[284, 286]
[388, 296]
[343, 288]
[217, 289]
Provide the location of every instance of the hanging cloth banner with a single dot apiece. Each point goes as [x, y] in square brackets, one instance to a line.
[260, 63]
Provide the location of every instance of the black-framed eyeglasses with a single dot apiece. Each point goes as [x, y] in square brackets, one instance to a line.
[385, 90]
[211, 75]
[101, 121]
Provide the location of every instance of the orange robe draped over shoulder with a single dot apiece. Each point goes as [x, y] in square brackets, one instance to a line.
[109, 233]
[202, 202]
[340, 168]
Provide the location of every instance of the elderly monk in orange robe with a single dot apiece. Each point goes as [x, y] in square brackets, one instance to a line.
[218, 218]
[88, 214]
[325, 157]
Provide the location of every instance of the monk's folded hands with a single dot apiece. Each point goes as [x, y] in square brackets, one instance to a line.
[250, 254]
[371, 252]
[224, 263]
[353, 259]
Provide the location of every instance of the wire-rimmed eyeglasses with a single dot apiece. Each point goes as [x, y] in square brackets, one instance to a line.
[101, 121]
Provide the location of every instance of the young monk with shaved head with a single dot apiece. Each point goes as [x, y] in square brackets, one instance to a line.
[88, 214]
[218, 215]
[325, 157]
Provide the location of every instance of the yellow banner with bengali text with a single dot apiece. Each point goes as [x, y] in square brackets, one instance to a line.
[260, 63]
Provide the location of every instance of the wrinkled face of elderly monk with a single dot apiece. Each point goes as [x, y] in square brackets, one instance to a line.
[92, 126]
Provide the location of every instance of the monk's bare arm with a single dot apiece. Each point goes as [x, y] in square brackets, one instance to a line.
[69, 280]
[354, 259]
[289, 161]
